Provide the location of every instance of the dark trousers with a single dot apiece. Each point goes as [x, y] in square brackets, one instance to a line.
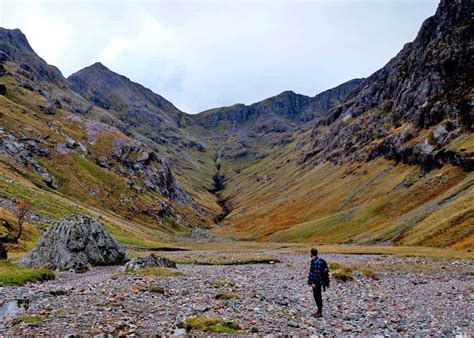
[318, 298]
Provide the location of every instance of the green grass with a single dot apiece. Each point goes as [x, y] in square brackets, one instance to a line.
[219, 283]
[156, 289]
[226, 296]
[156, 272]
[368, 273]
[224, 259]
[342, 273]
[342, 276]
[210, 324]
[12, 274]
[30, 319]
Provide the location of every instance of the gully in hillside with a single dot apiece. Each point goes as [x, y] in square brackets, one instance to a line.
[219, 185]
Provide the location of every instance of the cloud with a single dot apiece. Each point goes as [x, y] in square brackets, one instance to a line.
[203, 54]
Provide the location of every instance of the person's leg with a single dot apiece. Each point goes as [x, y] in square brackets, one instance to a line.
[318, 298]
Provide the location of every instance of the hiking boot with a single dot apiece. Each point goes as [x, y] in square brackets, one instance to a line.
[318, 314]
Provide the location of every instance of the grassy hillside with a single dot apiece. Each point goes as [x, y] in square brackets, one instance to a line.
[68, 147]
[376, 202]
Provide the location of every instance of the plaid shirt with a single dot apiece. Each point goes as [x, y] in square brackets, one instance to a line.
[316, 271]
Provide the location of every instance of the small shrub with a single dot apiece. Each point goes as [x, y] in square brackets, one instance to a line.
[226, 296]
[58, 292]
[209, 324]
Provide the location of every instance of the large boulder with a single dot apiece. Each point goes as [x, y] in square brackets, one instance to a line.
[75, 243]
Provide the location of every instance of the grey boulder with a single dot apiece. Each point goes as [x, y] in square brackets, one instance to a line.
[75, 243]
[148, 262]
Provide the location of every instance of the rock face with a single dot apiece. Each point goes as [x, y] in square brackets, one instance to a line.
[149, 262]
[244, 129]
[21, 150]
[427, 86]
[75, 243]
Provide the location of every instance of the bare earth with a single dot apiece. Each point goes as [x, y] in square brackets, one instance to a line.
[413, 296]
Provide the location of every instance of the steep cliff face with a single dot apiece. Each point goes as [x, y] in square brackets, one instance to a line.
[413, 108]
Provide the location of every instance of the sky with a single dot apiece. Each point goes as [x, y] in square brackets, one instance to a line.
[206, 54]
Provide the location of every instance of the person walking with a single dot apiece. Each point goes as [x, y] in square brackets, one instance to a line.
[318, 279]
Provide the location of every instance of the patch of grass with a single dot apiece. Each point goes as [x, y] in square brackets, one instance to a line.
[226, 296]
[29, 319]
[210, 324]
[12, 274]
[156, 289]
[342, 276]
[335, 266]
[157, 272]
[369, 273]
[342, 273]
[219, 259]
[219, 283]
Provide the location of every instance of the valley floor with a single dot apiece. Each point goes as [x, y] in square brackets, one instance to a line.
[409, 295]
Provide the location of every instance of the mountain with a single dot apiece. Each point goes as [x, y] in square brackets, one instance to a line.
[255, 130]
[137, 107]
[383, 160]
[68, 154]
[411, 109]
[391, 164]
[15, 47]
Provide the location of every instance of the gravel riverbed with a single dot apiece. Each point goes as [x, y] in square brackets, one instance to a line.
[412, 296]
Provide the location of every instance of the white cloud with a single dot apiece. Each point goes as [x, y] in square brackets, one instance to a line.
[203, 54]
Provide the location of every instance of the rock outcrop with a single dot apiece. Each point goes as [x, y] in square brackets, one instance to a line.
[144, 168]
[149, 262]
[22, 151]
[75, 243]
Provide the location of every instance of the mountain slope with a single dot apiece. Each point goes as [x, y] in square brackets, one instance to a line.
[136, 106]
[393, 163]
[387, 159]
[66, 155]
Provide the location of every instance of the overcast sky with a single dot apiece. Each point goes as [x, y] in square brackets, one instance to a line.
[201, 55]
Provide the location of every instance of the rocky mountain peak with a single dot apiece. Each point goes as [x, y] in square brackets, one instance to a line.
[427, 86]
[14, 47]
[14, 37]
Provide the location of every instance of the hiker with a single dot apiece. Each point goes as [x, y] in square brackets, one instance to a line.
[318, 279]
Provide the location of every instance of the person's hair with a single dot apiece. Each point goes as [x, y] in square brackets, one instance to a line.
[314, 252]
